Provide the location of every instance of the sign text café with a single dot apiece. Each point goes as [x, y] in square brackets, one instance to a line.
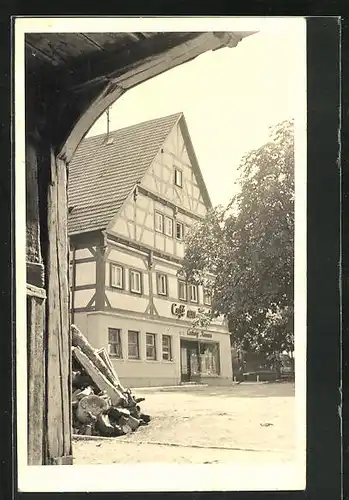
[181, 311]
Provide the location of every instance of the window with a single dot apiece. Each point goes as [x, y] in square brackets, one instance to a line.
[159, 222]
[179, 230]
[116, 276]
[207, 297]
[166, 348]
[193, 293]
[182, 290]
[135, 281]
[150, 346]
[209, 359]
[169, 226]
[114, 343]
[162, 284]
[178, 177]
[133, 345]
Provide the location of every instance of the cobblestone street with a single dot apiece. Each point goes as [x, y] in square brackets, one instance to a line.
[253, 422]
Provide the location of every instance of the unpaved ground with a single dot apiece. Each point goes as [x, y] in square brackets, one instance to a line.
[253, 422]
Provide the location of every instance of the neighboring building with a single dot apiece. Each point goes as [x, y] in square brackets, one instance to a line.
[133, 194]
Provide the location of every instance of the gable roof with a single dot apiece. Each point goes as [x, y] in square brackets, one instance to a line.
[102, 175]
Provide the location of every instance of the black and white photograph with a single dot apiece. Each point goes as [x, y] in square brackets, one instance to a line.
[160, 253]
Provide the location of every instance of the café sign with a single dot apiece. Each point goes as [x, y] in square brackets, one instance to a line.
[180, 311]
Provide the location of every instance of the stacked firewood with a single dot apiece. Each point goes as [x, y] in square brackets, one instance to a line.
[101, 405]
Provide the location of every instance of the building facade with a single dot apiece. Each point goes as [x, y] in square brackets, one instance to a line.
[127, 245]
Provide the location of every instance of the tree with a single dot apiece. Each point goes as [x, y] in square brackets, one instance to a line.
[249, 247]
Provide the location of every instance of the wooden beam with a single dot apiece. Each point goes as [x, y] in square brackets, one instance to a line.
[144, 61]
[100, 278]
[36, 375]
[142, 247]
[35, 291]
[98, 378]
[86, 239]
[93, 110]
[195, 164]
[35, 267]
[168, 203]
[58, 331]
[80, 341]
[105, 356]
[129, 57]
[67, 460]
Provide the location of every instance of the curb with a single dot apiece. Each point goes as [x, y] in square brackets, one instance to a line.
[169, 388]
[82, 437]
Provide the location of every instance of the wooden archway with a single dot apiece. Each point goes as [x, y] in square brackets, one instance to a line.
[69, 85]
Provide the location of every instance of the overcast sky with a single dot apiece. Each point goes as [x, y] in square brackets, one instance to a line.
[229, 98]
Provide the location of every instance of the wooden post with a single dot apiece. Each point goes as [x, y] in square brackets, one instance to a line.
[59, 432]
[36, 373]
[35, 268]
[36, 295]
[100, 277]
[73, 284]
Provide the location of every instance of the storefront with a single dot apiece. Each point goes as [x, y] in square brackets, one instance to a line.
[199, 359]
[150, 352]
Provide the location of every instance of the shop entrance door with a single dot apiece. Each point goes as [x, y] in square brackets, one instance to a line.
[190, 362]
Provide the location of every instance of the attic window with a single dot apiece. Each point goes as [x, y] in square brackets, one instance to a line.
[109, 141]
[178, 177]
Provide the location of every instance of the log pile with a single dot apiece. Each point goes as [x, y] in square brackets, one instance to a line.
[101, 405]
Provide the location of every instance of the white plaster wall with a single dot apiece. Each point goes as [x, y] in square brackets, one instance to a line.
[83, 253]
[80, 320]
[121, 257]
[83, 297]
[85, 273]
[127, 302]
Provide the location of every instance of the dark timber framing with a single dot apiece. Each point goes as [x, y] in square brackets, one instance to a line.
[168, 203]
[144, 248]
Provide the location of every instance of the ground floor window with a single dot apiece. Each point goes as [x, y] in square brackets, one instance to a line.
[166, 348]
[150, 346]
[209, 359]
[114, 342]
[133, 344]
[194, 363]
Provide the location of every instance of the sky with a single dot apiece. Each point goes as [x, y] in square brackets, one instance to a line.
[229, 98]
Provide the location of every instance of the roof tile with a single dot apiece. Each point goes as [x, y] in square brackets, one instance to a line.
[101, 176]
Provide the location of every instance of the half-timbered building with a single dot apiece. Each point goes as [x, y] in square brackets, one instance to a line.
[133, 195]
